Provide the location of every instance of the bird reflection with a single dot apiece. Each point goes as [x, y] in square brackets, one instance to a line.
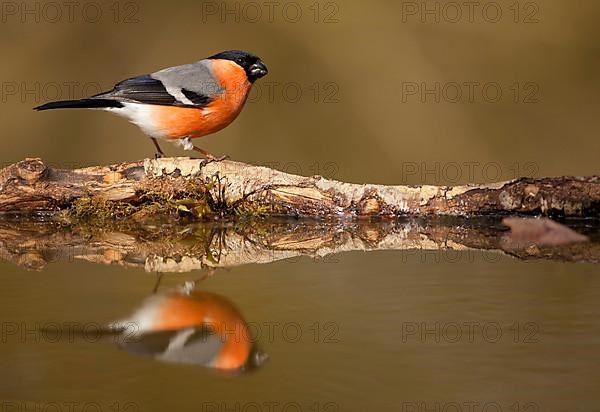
[191, 327]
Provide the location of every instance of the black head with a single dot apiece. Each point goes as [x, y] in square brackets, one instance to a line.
[254, 67]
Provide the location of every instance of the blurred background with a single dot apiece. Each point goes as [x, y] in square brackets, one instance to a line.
[374, 91]
[378, 91]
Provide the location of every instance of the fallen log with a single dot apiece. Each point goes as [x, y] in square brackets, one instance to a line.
[225, 189]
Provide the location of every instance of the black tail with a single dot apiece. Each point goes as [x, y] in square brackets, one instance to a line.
[82, 104]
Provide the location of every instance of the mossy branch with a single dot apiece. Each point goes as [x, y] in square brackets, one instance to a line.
[195, 188]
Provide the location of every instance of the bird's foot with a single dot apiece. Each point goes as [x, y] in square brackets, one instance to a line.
[159, 153]
[212, 159]
[209, 156]
[217, 159]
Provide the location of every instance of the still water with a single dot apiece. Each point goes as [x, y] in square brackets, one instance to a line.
[408, 330]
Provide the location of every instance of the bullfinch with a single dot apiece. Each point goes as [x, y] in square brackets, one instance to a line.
[182, 102]
[191, 327]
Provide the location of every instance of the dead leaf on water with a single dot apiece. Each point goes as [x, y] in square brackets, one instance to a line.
[541, 232]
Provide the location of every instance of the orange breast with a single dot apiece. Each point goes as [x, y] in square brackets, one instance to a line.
[180, 122]
[202, 308]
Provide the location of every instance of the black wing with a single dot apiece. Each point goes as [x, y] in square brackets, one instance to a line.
[148, 90]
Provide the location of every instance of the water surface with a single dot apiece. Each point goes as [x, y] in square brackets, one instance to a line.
[413, 330]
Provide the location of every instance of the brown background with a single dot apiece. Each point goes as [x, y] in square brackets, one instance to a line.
[368, 135]
[364, 51]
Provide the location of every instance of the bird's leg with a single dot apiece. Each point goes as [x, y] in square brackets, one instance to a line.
[157, 284]
[208, 155]
[158, 149]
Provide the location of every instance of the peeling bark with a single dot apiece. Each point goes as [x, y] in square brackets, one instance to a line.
[191, 186]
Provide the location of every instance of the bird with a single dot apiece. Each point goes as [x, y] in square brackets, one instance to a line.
[191, 327]
[181, 103]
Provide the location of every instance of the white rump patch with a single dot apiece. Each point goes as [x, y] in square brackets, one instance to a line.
[140, 115]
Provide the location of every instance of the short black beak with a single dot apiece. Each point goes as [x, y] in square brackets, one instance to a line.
[258, 70]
